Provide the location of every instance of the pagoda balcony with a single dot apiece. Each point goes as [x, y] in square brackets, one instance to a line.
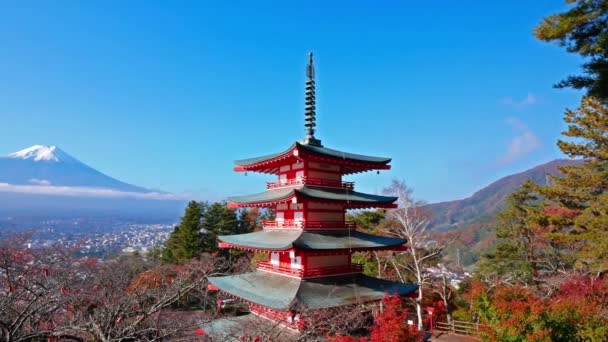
[286, 183]
[311, 272]
[310, 225]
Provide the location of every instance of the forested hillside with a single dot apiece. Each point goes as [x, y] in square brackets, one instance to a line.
[468, 222]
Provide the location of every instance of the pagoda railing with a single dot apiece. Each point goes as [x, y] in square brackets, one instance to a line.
[284, 183]
[267, 266]
[310, 271]
[308, 224]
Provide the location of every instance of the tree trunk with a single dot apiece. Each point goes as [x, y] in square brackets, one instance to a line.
[419, 309]
[448, 314]
[396, 267]
[444, 296]
[420, 279]
[379, 265]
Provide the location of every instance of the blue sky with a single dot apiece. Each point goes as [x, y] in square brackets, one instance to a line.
[167, 94]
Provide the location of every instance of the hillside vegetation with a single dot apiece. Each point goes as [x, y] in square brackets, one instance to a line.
[468, 223]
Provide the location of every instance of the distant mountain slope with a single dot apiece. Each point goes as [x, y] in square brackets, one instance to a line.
[485, 202]
[44, 181]
[49, 165]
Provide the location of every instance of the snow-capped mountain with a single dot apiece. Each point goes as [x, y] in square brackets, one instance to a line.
[42, 165]
[46, 182]
[43, 153]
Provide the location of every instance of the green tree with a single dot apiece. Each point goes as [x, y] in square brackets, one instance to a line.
[200, 226]
[250, 219]
[367, 219]
[513, 257]
[564, 225]
[190, 241]
[218, 219]
[578, 201]
[267, 215]
[582, 29]
[186, 240]
[167, 256]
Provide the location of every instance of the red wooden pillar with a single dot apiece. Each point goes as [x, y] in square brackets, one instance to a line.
[430, 310]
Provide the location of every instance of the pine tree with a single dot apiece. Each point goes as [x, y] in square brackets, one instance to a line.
[582, 30]
[367, 220]
[218, 219]
[186, 240]
[563, 225]
[249, 220]
[167, 256]
[189, 236]
[200, 226]
[579, 200]
[268, 215]
[513, 257]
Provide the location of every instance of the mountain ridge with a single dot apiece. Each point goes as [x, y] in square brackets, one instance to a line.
[450, 214]
[468, 223]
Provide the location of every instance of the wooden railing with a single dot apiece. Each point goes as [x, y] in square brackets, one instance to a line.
[459, 327]
[309, 181]
[311, 271]
[267, 266]
[308, 224]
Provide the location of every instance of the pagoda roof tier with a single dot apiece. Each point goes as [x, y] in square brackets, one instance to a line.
[284, 293]
[350, 162]
[232, 329]
[353, 199]
[280, 240]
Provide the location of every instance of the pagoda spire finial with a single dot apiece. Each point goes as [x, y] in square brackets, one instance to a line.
[310, 108]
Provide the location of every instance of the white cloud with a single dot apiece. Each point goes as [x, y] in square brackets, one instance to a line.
[519, 104]
[37, 181]
[522, 144]
[77, 191]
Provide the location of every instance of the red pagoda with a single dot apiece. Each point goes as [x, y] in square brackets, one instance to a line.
[309, 244]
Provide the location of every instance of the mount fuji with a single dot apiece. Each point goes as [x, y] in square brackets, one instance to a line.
[46, 180]
[50, 166]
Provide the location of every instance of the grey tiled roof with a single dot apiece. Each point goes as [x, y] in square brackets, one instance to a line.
[318, 150]
[231, 329]
[332, 194]
[311, 240]
[344, 155]
[284, 293]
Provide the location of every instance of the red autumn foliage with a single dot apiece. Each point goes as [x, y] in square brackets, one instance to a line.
[584, 297]
[586, 291]
[389, 325]
[475, 291]
[576, 311]
[561, 212]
